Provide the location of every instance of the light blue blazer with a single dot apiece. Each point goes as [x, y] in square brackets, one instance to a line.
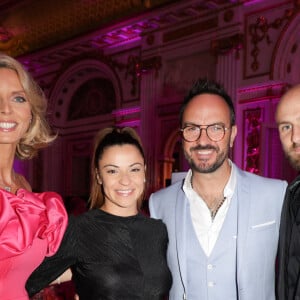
[259, 203]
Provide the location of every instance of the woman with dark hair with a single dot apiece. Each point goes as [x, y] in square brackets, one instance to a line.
[32, 224]
[114, 251]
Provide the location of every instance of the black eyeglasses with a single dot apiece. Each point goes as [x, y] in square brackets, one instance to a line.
[192, 132]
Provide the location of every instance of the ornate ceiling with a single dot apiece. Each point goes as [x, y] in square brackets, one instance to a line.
[30, 25]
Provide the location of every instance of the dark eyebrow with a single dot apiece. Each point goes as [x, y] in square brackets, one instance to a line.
[137, 163]
[193, 124]
[111, 165]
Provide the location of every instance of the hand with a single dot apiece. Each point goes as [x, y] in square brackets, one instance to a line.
[66, 276]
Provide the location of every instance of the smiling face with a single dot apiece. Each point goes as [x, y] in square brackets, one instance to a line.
[15, 110]
[288, 121]
[204, 155]
[122, 176]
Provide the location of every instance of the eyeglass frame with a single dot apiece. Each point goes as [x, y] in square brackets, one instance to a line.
[203, 127]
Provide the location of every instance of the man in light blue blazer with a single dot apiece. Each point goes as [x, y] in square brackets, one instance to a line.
[223, 223]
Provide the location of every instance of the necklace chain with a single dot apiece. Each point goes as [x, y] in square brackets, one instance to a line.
[8, 188]
[214, 210]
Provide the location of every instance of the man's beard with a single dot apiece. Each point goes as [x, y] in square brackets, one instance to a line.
[294, 160]
[203, 166]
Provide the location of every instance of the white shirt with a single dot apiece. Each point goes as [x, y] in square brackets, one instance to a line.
[207, 230]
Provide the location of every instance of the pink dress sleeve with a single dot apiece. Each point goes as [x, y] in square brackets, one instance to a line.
[27, 216]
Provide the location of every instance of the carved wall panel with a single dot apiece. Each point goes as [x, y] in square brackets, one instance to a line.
[263, 28]
[94, 97]
[252, 132]
[255, 113]
[286, 57]
[181, 72]
[126, 64]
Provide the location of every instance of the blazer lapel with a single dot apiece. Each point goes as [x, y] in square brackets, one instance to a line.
[180, 232]
[243, 200]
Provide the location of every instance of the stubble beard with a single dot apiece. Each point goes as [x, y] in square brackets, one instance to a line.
[293, 159]
[203, 166]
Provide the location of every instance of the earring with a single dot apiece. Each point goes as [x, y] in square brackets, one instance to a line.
[144, 180]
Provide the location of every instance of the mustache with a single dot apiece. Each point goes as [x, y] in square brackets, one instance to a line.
[296, 145]
[206, 147]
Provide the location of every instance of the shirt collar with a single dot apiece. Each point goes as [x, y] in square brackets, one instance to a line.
[229, 187]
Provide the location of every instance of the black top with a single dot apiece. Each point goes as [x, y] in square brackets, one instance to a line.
[288, 275]
[112, 258]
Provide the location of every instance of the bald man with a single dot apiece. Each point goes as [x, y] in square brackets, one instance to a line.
[288, 121]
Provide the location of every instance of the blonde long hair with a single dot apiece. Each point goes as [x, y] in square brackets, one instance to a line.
[39, 134]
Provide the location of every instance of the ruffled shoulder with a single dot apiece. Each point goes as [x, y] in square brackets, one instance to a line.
[26, 216]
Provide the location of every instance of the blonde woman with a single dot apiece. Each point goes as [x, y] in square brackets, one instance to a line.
[31, 224]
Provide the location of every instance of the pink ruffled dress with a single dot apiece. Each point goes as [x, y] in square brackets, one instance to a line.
[31, 227]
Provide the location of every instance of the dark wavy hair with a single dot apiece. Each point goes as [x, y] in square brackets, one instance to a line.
[206, 86]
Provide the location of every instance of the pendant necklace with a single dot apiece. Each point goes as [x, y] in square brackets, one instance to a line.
[214, 210]
[8, 188]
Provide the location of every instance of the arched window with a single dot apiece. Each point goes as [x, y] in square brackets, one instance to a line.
[94, 97]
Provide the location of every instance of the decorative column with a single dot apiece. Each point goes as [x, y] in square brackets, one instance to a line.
[227, 52]
[148, 71]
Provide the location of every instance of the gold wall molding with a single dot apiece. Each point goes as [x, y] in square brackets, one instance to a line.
[36, 24]
[259, 31]
[191, 29]
[228, 44]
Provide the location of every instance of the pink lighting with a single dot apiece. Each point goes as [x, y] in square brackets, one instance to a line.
[126, 111]
[129, 123]
[252, 2]
[260, 92]
[121, 36]
[260, 87]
